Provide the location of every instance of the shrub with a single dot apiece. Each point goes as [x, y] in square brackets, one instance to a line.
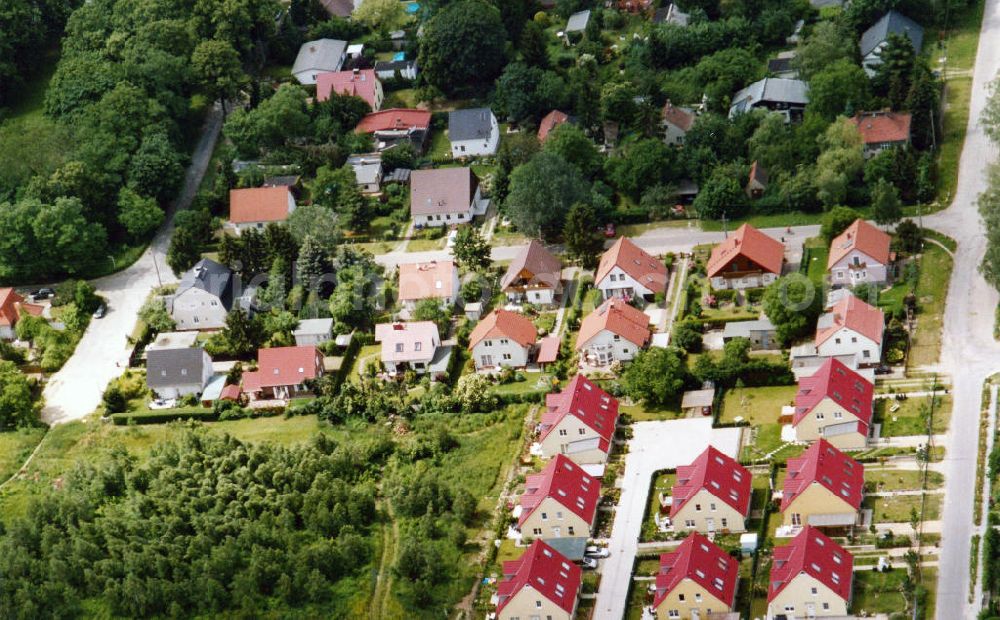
[114, 400]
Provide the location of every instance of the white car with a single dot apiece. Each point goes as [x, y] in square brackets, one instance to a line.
[163, 403]
[596, 552]
[588, 563]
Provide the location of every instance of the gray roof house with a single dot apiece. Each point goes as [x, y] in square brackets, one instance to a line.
[760, 332]
[671, 15]
[789, 97]
[875, 38]
[473, 131]
[173, 373]
[313, 332]
[578, 21]
[319, 56]
[203, 298]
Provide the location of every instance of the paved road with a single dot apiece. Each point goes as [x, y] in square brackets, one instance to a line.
[654, 446]
[75, 391]
[969, 352]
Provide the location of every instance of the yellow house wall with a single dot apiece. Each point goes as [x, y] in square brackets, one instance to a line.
[816, 500]
[524, 606]
[808, 427]
[735, 522]
[798, 594]
[548, 526]
[552, 445]
[689, 589]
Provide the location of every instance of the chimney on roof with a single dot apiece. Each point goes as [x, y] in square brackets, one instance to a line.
[356, 70]
[398, 327]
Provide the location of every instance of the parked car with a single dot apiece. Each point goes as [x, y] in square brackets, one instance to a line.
[588, 563]
[596, 552]
[101, 311]
[42, 293]
[609, 230]
[883, 370]
[163, 403]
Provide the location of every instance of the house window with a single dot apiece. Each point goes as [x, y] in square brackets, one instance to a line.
[866, 354]
[537, 531]
[538, 603]
[689, 523]
[562, 432]
[582, 431]
[789, 608]
[837, 340]
[725, 522]
[504, 341]
[545, 516]
[559, 515]
[462, 148]
[488, 343]
[486, 360]
[417, 346]
[697, 507]
[680, 597]
[819, 415]
[571, 532]
[673, 613]
[399, 347]
[712, 507]
[796, 519]
[697, 597]
[837, 415]
[617, 337]
[813, 590]
[826, 606]
[506, 356]
[184, 372]
[854, 338]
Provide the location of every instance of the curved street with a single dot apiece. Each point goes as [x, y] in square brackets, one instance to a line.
[969, 353]
[75, 391]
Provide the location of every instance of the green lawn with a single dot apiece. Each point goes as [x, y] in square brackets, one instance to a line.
[15, 446]
[440, 145]
[663, 483]
[901, 479]
[759, 405]
[771, 220]
[897, 509]
[932, 289]
[961, 52]
[879, 592]
[908, 419]
[425, 245]
[816, 253]
[534, 382]
[373, 351]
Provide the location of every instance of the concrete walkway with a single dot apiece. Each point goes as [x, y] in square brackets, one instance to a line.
[991, 430]
[654, 446]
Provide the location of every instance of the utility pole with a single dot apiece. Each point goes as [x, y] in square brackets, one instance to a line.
[725, 229]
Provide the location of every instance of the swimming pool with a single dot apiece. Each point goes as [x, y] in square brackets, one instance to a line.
[398, 56]
[412, 7]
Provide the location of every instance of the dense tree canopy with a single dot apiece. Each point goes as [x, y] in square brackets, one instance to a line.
[542, 192]
[462, 47]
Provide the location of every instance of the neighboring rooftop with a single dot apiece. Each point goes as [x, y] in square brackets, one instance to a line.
[173, 340]
[426, 280]
[812, 553]
[577, 22]
[319, 55]
[537, 264]
[854, 314]
[863, 237]
[586, 401]
[719, 474]
[823, 464]
[171, 367]
[682, 118]
[700, 560]
[835, 381]
[883, 127]
[776, 90]
[636, 262]
[504, 324]
[749, 243]
[470, 124]
[543, 570]
[361, 83]
[549, 122]
[617, 317]
[395, 119]
[407, 342]
[313, 327]
[892, 22]
[281, 366]
[442, 190]
[211, 277]
[259, 204]
[565, 482]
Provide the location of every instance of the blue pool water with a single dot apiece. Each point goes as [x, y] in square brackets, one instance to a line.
[399, 56]
[412, 7]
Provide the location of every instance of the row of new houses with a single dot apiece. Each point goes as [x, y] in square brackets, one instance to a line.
[823, 488]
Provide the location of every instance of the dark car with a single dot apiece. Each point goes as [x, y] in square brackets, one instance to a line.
[42, 293]
[883, 370]
[101, 311]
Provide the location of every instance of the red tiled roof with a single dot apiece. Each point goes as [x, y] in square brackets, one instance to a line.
[584, 400]
[835, 381]
[678, 117]
[431, 280]
[394, 119]
[258, 204]
[32, 309]
[230, 392]
[882, 127]
[282, 366]
[703, 562]
[548, 349]
[338, 8]
[863, 237]
[751, 244]
[617, 317]
[813, 553]
[542, 267]
[823, 464]
[565, 482]
[442, 190]
[361, 84]
[551, 120]
[639, 265]
[544, 570]
[9, 300]
[757, 173]
[504, 324]
[719, 474]
[856, 315]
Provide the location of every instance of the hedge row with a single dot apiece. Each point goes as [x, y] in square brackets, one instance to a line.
[160, 417]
